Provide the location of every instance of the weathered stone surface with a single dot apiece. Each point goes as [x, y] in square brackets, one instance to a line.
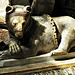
[4, 36]
[40, 7]
[3, 4]
[43, 6]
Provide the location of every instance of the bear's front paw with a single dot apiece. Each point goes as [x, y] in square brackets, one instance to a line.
[58, 52]
[14, 48]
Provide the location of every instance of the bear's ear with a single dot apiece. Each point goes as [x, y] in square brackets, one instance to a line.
[27, 8]
[9, 9]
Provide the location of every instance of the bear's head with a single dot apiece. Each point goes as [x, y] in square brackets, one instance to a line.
[17, 19]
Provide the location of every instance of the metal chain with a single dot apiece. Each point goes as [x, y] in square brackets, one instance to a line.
[53, 28]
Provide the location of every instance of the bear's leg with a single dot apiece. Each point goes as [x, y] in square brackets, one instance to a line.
[67, 37]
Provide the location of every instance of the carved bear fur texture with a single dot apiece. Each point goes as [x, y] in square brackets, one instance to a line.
[32, 35]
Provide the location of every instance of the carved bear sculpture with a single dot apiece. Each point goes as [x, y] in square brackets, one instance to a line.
[34, 35]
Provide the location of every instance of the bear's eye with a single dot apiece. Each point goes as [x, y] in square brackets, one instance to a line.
[14, 24]
[23, 23]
